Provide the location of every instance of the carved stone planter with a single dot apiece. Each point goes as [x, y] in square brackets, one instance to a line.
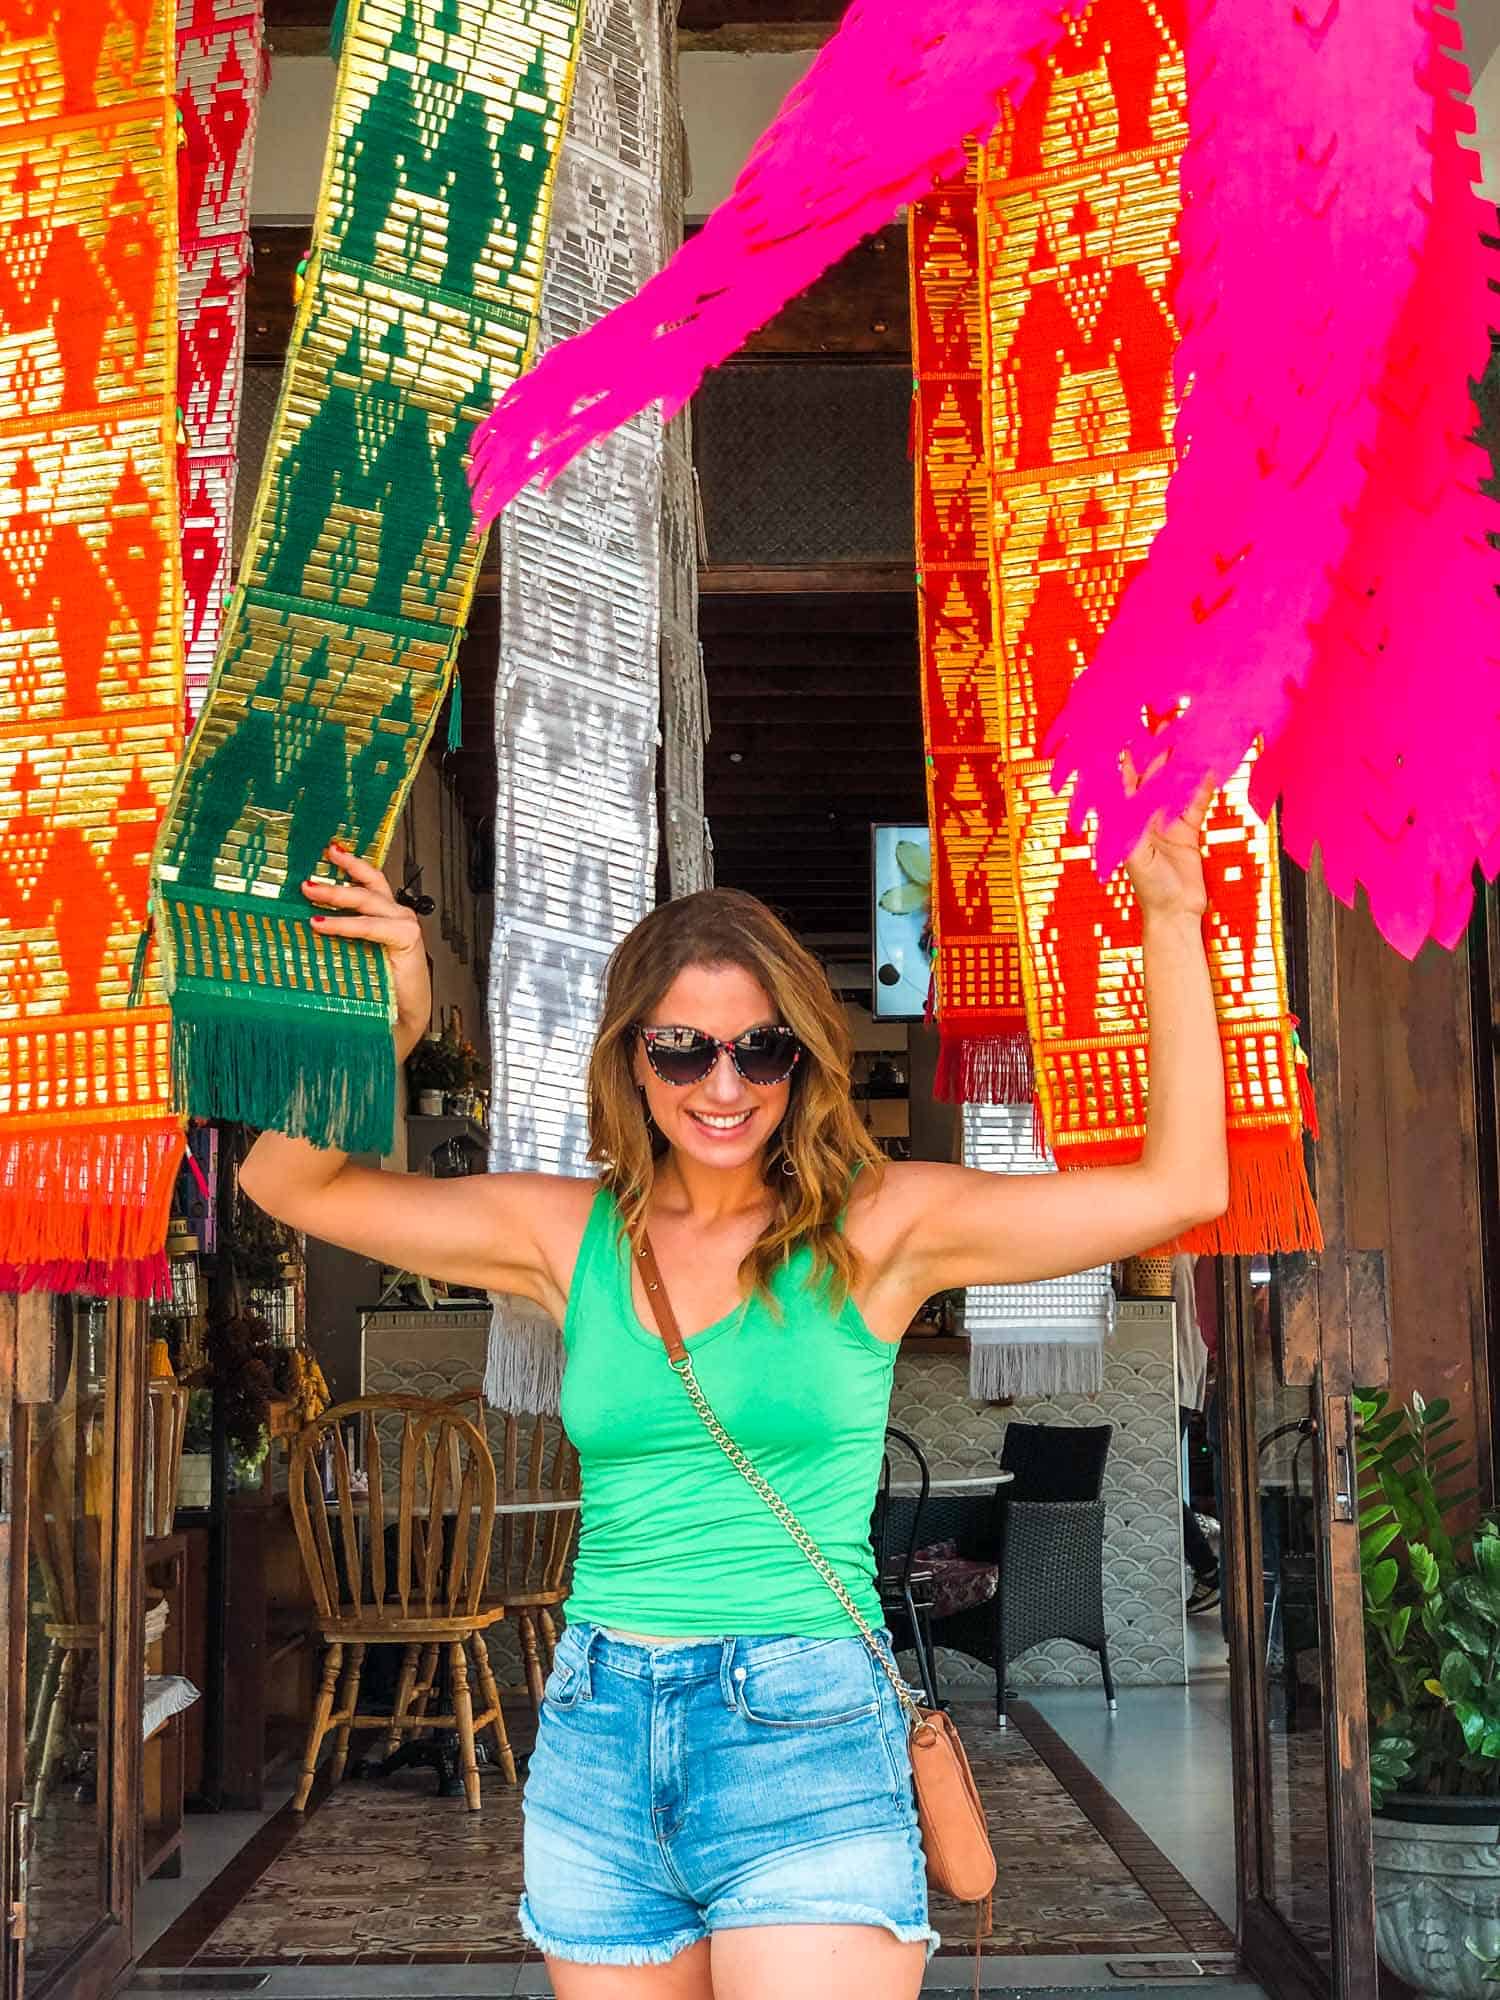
[1437, 1891]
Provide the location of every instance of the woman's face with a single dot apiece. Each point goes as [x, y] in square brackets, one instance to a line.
[721, 1121]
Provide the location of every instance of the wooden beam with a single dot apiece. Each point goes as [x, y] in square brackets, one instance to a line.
[739, 579]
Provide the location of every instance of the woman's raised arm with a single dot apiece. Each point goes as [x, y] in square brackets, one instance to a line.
[957, 1226]
[498, 1232]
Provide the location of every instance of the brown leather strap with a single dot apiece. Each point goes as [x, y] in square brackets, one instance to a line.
[659, 1301]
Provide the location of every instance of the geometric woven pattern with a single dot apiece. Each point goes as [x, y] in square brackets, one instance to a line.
[577, 703]
[419, 306]
[980, 1002]
[90, 635]
[1078, 214]
[220, 70]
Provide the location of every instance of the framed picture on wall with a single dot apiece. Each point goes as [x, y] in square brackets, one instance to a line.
[900, 921]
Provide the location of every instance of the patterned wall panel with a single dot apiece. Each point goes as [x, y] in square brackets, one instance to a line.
[1143, 1596]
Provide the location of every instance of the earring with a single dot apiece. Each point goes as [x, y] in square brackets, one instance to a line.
[788, 1169]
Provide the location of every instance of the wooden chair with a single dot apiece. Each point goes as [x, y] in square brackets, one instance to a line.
[65, 1492]
[528, 1578]
[428, 1600]
[166, 1425]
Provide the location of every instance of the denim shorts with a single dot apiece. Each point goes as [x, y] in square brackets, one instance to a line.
[680, 1790]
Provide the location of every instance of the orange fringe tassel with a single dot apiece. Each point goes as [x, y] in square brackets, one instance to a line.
[86, 1205]
[1270, 1203]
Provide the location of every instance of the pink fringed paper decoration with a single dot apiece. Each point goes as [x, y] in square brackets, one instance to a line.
[1417, 781]
[220, 77]
[878, 120]
[1334, 309]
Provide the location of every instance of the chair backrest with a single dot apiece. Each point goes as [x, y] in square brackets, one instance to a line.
[440, 1520]
[64, 1526]
[166, 1425]
[896, 1523]
[1055, 1461]
[534, 1548]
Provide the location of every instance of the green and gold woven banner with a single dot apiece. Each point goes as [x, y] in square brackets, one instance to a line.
[420, 306]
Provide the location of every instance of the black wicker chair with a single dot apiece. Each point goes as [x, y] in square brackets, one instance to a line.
[1045, 1533]
[895, 1526]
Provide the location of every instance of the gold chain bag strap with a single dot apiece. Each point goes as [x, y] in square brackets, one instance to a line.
[955, 1836]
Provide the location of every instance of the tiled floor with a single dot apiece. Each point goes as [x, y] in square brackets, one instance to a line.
[384, 1873]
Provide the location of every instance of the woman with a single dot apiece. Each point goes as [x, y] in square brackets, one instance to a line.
[719, 1806]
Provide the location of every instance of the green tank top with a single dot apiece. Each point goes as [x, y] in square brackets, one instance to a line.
[672, 1539]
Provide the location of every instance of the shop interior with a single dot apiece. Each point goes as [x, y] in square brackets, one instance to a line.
[163, 1522]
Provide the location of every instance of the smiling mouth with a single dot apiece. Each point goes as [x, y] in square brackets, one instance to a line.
[712, 1123]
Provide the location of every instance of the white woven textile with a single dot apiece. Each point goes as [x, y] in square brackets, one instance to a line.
[1045, 1339]
[577, 694]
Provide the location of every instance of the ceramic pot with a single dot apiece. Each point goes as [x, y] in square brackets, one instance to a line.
[430, 1103]
[1437, 1893]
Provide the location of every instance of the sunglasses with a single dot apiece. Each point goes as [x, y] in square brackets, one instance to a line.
[686, 1055]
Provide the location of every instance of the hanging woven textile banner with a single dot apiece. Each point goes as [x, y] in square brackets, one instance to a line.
[90, 639]
[1045, 1339]
[984, 1055]
[577, 695]
[419, 306]
[220, 73]
[1078, 211]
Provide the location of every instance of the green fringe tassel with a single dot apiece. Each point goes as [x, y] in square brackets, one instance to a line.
[336, 28]
[455, 712]
[322, 1076]
[138, 966]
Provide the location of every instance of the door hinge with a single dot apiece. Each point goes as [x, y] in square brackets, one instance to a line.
[1345, 1459]
[20, 1873]
[4, 1483]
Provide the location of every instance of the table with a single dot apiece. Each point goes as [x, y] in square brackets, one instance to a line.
[508, 1500]
[908, 1487]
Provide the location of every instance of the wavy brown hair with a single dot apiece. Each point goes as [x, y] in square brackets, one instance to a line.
[820, 1143]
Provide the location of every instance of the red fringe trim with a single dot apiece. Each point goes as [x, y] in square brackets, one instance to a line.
[1270, 1203]
[1307, 1097]
[141, 1278]
[87, 1209]
[985, 1069]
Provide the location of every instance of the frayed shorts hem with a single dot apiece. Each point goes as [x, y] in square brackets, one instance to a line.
[592, 1951]
[731, 1916]
[727, 1917]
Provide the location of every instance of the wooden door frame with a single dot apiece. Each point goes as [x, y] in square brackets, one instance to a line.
[102, 1954]
[1334, 1336]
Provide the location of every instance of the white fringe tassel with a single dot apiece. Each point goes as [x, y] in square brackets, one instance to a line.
[524, 1363]
[1035, 1368]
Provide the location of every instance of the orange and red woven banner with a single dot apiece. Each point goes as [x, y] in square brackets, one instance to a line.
[90, 635]
[985, 1056]
[1076, 212]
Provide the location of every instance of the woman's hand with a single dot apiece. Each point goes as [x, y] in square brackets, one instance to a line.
[365, 907]
[1166, 868]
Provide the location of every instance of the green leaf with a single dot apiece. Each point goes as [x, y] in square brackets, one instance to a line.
[1398, 1627]
[1380, 1580]
[914, 862]
[904, 898]
[1424, 1568]
[1473, 1722]
[1458, 1676]
[1433, 1412]
[1375, 1541]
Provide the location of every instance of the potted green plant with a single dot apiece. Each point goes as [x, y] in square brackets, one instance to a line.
[433, 1068]
[1432, 1663]
[195, 1468]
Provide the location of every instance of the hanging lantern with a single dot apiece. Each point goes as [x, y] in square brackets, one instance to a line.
[182, 1261]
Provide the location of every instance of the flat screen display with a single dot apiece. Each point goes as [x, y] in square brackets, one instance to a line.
[900, 922]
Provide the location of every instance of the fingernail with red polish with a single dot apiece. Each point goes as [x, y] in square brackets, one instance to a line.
[320, 920]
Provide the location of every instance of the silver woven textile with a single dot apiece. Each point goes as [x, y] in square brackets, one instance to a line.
[1045, 1339]
[577, 693]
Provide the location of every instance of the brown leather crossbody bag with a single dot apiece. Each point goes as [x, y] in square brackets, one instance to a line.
[955, 1836]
